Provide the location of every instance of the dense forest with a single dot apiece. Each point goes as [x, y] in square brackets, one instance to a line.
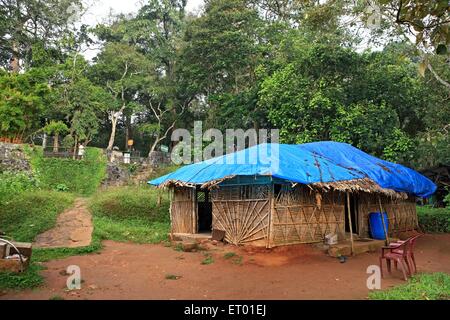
[371, 73]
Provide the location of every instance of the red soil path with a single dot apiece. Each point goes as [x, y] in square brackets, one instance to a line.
[131, 271]
[73, 229]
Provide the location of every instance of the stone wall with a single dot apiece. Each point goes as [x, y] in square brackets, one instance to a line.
[116, 175]
[13, 158]
[120, 174]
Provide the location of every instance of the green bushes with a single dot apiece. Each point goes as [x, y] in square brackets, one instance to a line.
[30, 213]
[13, 183]
[131, 214]
[434, 219]
[78, 176]
[432, 286]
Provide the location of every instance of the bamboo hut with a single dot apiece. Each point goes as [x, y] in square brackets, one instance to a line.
[291, 194]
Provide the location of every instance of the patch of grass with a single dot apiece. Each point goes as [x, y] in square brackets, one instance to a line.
[13, 183]
[25, 280]
[178, 247]
[124, 203]
[172, 277]
[30, 213]
[162, 171]
[131, 214]
[208, 259]
[47, 254]
[78, 176]
[237, 260]
[166, 243]
[229, 255]
[433, 220]
[134, 230]
[56, 297]
[426, 286]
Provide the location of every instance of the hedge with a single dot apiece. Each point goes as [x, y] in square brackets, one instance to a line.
[434, 220]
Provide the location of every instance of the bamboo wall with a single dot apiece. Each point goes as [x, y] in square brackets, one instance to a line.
[242, 212]
[183, 215]
[255, 213]
[402, 214]
[301, 215]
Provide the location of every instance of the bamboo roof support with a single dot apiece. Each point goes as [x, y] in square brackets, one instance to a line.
[386, 236]
[350, 222]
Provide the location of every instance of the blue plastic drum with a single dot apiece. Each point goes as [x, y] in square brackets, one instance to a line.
[376, 225]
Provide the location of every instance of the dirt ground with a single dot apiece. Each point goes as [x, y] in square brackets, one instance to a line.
[131, 271]
[73, 229]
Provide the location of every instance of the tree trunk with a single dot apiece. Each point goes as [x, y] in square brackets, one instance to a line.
[75, 148]
[437, 77]
[154, 145]
[14, 61]
[44, 141]
[55, 142]
[128, 132]
[113, 132]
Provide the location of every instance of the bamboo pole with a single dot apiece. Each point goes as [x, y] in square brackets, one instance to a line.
[350, 222]
[271, 210]
[194, 214]
[386, 236]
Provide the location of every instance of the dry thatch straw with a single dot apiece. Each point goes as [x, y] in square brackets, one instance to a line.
[176, 183]
[354, 185]
[214, 183]
[359, 185]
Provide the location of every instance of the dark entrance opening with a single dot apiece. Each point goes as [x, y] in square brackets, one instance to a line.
[353, 213]
[204, 211]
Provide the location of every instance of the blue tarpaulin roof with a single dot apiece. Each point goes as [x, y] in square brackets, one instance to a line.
[305, 163]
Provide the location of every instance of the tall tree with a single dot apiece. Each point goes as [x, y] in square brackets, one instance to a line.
[22, 100]
[24, 24]
[156, 33]
[123, 71]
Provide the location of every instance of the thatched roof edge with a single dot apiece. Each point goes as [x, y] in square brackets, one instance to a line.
[355, 185]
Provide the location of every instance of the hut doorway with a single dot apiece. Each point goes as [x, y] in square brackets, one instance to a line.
[353, 214]
[204, 211]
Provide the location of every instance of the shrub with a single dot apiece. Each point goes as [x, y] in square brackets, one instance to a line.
[434, 219]
[447, 199]
[61, 187]
[30, 213]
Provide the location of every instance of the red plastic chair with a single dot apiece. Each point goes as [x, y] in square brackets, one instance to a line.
[411, 259]
[400, 257]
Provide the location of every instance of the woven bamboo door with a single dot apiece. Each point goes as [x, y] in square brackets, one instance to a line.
[182, 211]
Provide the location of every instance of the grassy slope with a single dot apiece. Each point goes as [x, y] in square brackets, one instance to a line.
[78, 176]
[131, 214]
[13, 183]
[30, 213]
[431, 286]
